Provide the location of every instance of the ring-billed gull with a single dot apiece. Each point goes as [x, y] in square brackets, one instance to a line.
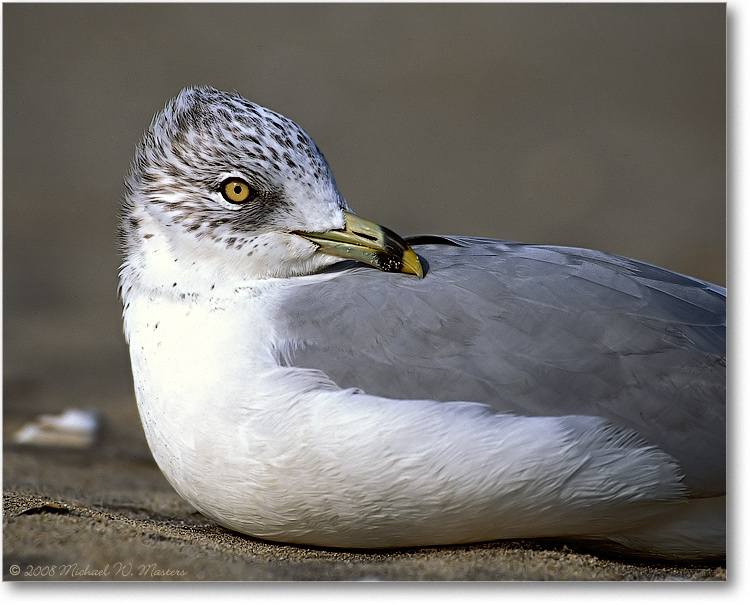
[470, 390]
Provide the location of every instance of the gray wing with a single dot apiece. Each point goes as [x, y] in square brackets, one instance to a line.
[532, 330]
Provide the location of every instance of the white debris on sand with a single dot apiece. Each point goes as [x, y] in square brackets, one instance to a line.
[71, 429]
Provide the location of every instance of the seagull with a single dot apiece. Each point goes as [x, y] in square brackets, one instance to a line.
[306, 376]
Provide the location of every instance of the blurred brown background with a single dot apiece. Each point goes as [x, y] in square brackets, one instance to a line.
[600, 126]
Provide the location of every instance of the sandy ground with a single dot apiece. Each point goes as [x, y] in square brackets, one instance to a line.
[148, 533]
[600, 126]
[107, 513]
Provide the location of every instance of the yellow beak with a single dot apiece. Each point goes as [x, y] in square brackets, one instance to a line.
[369, 243]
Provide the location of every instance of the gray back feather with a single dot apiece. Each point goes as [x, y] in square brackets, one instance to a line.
[532, 330]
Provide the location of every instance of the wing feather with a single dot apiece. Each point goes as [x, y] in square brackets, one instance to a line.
[531, 330]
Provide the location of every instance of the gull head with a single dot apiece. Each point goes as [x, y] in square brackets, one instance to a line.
[223, 189]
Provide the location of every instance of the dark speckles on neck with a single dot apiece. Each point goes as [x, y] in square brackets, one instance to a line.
[238, 243]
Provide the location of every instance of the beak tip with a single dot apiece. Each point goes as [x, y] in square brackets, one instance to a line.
[411, 263]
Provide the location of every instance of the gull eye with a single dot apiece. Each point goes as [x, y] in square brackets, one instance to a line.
[237, 191]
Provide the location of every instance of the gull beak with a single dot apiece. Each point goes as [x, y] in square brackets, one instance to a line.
[369, 243]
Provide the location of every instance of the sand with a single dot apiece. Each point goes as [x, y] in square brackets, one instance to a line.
[107, 514]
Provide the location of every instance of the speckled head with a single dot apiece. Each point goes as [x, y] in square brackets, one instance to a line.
[222, 190]
[216, 169]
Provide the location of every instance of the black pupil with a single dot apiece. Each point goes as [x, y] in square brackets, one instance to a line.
[238, 189]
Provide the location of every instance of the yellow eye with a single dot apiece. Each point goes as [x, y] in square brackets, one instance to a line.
[236, 190]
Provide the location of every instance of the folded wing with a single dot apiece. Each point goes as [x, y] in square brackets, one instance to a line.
[535, 331]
